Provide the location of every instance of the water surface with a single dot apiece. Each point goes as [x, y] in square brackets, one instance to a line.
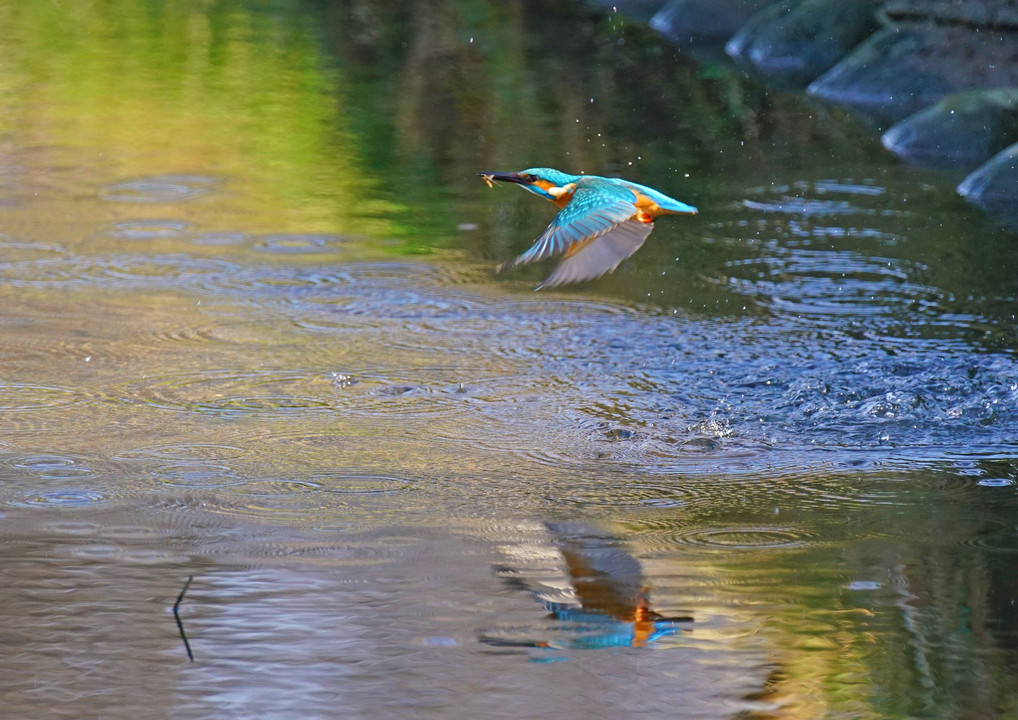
[250, 334]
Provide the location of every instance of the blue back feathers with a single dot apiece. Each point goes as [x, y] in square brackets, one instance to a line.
[559, 179]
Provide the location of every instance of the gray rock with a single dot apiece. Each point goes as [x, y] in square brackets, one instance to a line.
[797, 41]
[966, 129]
[979, 13]
[994, 186]
[691, 21]
[904, 68]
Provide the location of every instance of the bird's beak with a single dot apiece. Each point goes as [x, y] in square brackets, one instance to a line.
[504, 177]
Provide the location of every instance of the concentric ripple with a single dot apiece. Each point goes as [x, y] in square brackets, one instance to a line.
[214, 392]
[804, 207]
[407, 395]
[394, 278]
[745, 537]
[314, 500]
[271, 392]
[805, 199]
[188, 452]
[52, 480]
[356, 484]
[17, 397]
[69, 497]
[1004, 540]
[252, 334]
[148, 229]
[215, 239]
[13, 252]
[194, 465]
[645, 494]
[360, 288]
[121, 270]
[51, 466]
[997, 482]
[800, 281]
[159, 189]
[299, 243]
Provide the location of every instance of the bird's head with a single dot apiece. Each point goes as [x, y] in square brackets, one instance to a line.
[546, 182]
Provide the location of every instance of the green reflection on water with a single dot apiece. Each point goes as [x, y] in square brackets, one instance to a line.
[133, 89]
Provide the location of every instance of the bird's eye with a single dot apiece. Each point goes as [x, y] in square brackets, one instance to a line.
[528, 177]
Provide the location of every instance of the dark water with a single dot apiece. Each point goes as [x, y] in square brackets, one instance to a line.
[249, 333]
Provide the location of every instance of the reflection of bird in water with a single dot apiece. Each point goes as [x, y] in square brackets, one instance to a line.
[602, 221]
[594, 590]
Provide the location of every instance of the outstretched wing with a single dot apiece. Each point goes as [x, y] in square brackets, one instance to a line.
[598, 255]
[596, 208]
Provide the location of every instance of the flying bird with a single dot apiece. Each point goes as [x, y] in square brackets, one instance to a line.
[602, 221]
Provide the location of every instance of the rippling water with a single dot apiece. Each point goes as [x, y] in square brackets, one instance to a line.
[250, 335]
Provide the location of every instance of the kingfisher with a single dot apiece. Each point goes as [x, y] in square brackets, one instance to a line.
[601, 221]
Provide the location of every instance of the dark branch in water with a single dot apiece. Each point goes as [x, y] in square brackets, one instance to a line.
[176, 615]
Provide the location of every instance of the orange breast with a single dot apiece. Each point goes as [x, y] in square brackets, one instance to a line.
[647, 207]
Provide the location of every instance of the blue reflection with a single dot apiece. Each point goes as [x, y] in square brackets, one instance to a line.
[593, 589]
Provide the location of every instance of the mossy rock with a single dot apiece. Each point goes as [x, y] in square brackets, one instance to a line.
[994, 186]
[797, 41]
[979, 13]
[686, 21]
[964, 129]
[903, 69]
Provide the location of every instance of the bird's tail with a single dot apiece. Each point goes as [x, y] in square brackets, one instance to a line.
[544, 247]
[507, 265]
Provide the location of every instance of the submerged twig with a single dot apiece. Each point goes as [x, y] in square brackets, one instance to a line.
[176, 615]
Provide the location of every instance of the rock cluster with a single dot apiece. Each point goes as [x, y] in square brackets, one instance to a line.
[942, 73]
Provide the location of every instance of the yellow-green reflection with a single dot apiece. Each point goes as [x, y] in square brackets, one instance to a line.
[878, 596]
[131, 89]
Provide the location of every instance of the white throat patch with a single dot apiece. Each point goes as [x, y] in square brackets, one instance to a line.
[557, 192]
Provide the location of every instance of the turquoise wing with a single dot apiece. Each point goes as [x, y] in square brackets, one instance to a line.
[597, 207]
